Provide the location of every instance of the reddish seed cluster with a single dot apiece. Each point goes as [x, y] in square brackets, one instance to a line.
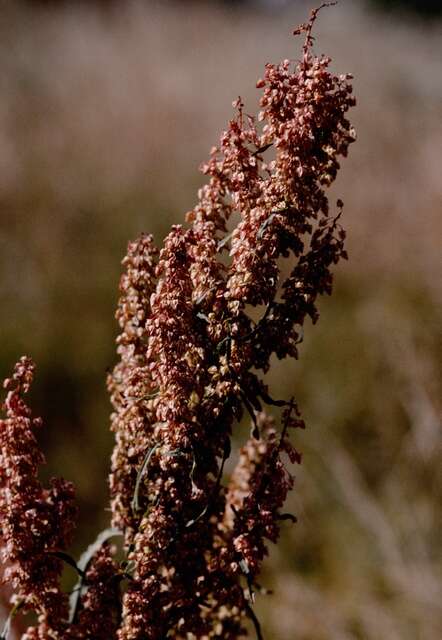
[130, 383]
[199, 546]
[258, 489]
[100, 610]
[35, 522]
[190, 354]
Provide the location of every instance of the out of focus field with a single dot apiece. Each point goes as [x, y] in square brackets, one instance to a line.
[104, 119]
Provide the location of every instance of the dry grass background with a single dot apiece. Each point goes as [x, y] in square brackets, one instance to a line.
[104, 119]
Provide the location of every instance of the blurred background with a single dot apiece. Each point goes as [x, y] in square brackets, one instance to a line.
[106, 111]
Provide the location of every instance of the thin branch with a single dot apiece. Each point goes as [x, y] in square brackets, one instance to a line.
[254, 619]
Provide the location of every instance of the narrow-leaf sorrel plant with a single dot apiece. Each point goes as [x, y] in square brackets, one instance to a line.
[191, 361]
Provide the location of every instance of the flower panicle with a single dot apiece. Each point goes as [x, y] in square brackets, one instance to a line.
[199, 323]
[36, 522]
[197, 546]
[130, 384]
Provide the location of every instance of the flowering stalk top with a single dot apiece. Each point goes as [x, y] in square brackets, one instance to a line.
[191, 359]
[190, 370]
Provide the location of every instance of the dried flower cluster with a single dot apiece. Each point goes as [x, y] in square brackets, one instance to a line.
[190, 356]
[35, 522]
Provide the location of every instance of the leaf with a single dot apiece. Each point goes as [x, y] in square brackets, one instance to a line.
[254, 619]
[7, 626]
[136, 401]
[269, 400]
[264, 226]
[287, 516]
[226, 454]
[61, 555]
[135, 504]
[268, 221]
[255, 429]
[82, 565]
[88, 554]
[244, 566]
[224, 241]
[262, 149]
[198, 517]
[220, 346]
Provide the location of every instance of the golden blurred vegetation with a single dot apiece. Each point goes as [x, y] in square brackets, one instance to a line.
[104, 119]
